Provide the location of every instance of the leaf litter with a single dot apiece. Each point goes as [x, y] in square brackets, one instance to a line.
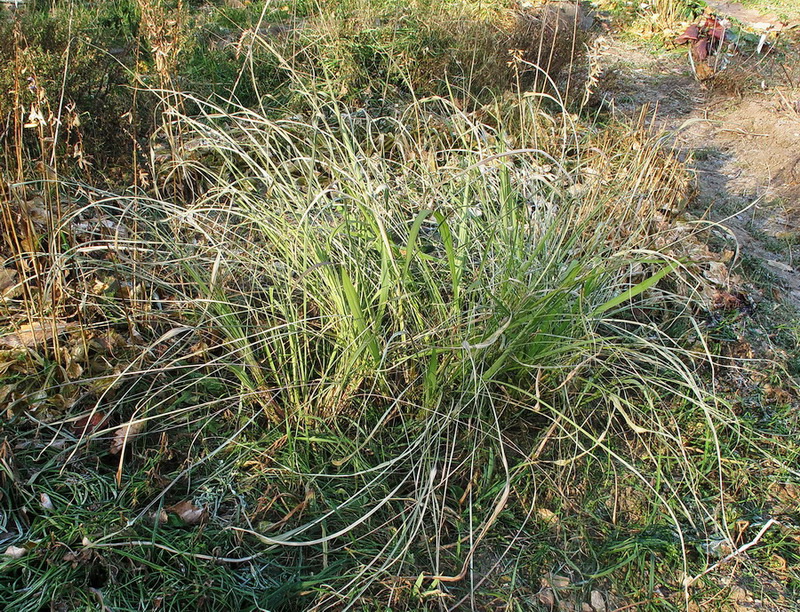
[125, 434]
[188, 512]
[31, 335]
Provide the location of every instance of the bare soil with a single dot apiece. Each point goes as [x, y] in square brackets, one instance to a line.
[752, 17]
[740, 130]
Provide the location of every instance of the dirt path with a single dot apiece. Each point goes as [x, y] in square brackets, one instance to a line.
[741, 130]
[751, 17]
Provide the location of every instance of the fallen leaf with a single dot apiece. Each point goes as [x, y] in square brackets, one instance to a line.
[724, 300]
[780, 265]
[74, 370]
[15, 552]
[160, 516]
[88, 424]
[188, 512]
[46, 502]
[8, 277]
[547, 598]
[30, 335]
[548, 516]
[5, 390]
[716, 272]
[125, 434]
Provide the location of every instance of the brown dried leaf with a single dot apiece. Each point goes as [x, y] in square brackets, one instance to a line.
[716, 272]
[547, 598]
[5, 390]
[547, 516]
[188, 512]
[8, 277]
[73, 369]
[31, 335]
[88, 424]
[780, 265]
[6, 365]
[125, 434]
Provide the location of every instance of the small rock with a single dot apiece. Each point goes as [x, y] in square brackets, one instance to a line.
[15, 552]
[555, 581]
[598, 602]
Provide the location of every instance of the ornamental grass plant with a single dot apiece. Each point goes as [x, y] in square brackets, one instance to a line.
[417, 353]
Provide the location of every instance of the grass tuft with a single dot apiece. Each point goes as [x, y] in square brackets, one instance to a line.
[434, 352]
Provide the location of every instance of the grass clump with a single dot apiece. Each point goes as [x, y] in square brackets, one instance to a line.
[429, 353]
[364, 313]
